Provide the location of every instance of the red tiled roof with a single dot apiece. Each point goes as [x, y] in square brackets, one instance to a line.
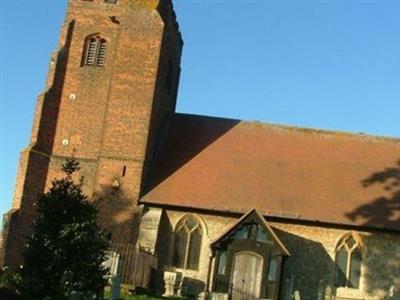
[230, 165]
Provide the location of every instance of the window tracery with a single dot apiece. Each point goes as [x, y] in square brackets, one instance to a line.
[348, 262]
[188, 240]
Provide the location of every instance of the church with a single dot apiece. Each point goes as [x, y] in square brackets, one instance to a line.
[215, 208]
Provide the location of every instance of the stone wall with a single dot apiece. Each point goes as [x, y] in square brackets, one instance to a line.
[310, 269]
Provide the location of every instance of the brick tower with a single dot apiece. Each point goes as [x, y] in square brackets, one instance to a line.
[112, 82]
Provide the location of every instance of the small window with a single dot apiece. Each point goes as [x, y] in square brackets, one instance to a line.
[95, 51]
[222, 259]
[252, 231]
[262, 235]
[272, 278]
[273, 270]
[110, 1]
[188, 240]
[242, 233]
[348, 262]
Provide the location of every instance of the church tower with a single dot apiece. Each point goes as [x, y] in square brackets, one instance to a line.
[112, 83]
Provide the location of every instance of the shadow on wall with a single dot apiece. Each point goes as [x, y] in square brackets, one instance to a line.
[383, 256]
[163, 250]
[382, 265]
[18, 221]
[309, 269]
[49, 111]
[191, 287]
[118, 213]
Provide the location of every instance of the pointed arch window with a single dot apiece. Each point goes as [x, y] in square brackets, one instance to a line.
[188, 240]
[95, 51]
[348, 262]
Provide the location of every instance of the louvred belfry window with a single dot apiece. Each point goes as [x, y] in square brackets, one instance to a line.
[101, 55]
[188, 239]
[95, 51]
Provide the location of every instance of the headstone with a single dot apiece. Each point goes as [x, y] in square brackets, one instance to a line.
[112, 263]
[297, 295]
[328, 293]
[172, 282]
[115, 287]
[218, 296]
[75, 295]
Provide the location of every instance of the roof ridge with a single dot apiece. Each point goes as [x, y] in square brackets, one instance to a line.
[328, 132]
[324, 131]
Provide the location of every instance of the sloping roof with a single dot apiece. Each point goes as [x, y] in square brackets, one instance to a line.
[230, 165]
[253, 213]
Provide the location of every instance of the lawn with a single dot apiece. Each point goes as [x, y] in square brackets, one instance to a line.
[126, 296]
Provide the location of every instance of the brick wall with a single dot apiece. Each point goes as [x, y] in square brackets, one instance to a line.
[109, 118]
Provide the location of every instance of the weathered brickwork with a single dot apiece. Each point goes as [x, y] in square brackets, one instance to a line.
[107, 117]
[311, 267]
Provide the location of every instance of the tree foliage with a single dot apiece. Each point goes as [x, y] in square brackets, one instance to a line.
[67, 248]
[9, 280]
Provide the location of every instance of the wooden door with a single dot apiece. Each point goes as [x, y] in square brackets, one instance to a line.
[247, 276]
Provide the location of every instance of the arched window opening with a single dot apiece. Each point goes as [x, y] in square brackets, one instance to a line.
[101, 57]
[188, 239]
[91, 51]
[95, 51]
[348, 262]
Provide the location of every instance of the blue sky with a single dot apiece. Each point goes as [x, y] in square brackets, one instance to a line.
[322, 64]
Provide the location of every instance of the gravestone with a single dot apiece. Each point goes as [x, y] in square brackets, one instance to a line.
[115, 287]
[75, 295]
[172, 282]
[297, 295]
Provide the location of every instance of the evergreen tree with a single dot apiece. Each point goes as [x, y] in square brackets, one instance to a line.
[67, 248]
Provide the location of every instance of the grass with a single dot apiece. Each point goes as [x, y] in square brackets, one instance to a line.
[125, 295]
